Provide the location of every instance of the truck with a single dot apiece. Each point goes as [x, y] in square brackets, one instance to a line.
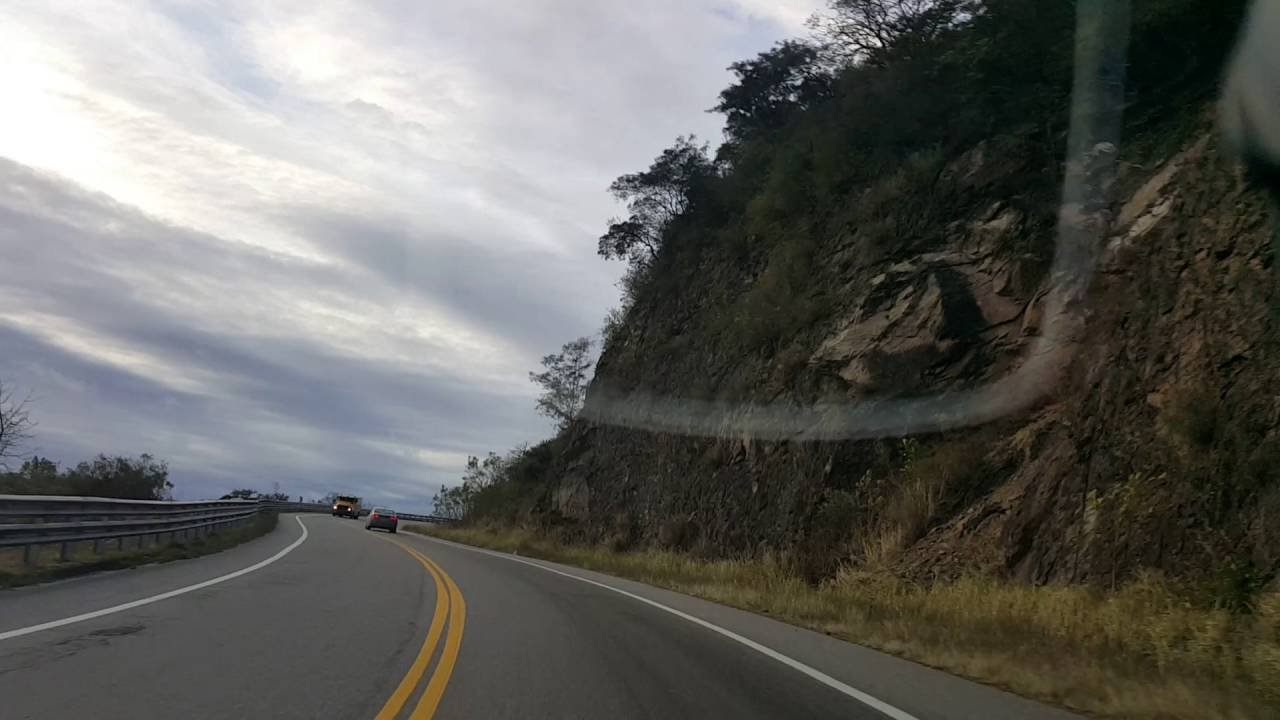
[346, 506]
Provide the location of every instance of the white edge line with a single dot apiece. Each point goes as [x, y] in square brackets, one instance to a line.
[862, 697]
[9, 634]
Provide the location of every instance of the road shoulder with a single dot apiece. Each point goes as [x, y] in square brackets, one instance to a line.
[889, 679]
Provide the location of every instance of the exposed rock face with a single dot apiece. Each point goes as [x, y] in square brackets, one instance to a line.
[1159, 451]
[918, 314]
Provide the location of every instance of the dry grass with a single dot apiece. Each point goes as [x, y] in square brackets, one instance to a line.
[920, 488]
[1140, 652]
[904, 519]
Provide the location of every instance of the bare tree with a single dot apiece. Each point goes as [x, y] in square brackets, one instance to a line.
[564, 382]
[15, 425]
[864, 31]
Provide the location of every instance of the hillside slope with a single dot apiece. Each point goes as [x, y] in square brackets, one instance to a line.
[891, 235]
[1157, 451]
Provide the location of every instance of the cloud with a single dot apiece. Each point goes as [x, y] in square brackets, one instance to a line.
[114, 306]
[321, 245]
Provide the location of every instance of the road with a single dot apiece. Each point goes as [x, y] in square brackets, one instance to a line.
[323, 619]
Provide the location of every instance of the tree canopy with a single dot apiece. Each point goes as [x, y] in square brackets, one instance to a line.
[772, 86]
[140, 478]
[876, 32]
[250, 494]
[143, 478]
[564, 381]
[654, 198]
[241, 494]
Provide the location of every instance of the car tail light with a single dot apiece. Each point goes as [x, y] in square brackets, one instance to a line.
[393, 518]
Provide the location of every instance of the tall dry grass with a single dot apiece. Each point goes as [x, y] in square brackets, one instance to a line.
[1139, 652]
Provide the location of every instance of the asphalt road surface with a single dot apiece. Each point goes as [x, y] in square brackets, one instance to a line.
[321, 619]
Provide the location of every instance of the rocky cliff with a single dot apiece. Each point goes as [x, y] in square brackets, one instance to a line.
[1156, 449]
[887, 325]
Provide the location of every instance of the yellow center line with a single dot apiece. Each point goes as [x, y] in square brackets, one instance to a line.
[430, 700]
[411, 678]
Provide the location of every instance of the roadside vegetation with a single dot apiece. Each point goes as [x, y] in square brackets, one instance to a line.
[14, 572]
[1140, 651]
[140, 478]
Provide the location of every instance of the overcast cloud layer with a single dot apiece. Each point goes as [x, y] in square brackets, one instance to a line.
[322, 244]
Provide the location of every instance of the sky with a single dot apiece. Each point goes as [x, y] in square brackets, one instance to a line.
[318, 246]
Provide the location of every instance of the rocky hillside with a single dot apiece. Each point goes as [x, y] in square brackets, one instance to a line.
[1158, 450]
[927, 273]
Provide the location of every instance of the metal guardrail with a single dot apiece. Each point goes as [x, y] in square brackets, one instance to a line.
[32, 521]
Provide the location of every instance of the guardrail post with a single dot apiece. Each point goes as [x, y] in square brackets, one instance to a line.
[64, 553]
[30, 554]
[97, 547]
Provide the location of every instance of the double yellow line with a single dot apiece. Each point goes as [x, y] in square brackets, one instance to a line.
[450, 610]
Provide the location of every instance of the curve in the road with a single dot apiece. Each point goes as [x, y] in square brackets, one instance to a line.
[338, 627]
[19, 632]
[449, 608]
[879, 705]
[426, 707]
